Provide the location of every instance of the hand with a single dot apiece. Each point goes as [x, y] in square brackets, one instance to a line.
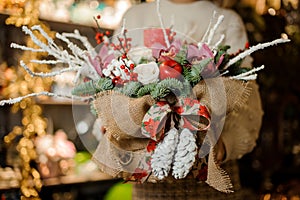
[220, 151]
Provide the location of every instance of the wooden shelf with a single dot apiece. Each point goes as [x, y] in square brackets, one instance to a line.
[53, 101]
[74, 179]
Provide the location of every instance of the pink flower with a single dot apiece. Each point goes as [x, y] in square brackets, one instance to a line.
[101, 61]
[196, 55]
[162, 53]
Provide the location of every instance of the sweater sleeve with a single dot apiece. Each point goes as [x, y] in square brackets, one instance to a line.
[242, 126]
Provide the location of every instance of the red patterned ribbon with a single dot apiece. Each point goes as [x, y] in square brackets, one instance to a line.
[193, 116]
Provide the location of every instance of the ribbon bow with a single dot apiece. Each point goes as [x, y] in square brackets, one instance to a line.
[186, 113]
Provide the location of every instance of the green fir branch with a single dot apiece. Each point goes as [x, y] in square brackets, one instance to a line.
[181, 56]
[165, 87]
[146, 89]
[131, 88]
[92, 87]
[194, 74]
[222, 51]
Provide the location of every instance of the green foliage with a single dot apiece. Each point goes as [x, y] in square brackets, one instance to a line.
[146, 89]
[165, 87]
[161, 89]
[193, 74]
[187, 88]
[92, 87]
[131, 88]
[104, 84]
[181, 56]
[222, 50]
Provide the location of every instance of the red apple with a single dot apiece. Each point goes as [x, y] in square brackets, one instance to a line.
[169, 69]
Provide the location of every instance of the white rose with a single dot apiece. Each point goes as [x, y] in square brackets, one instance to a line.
[147, 73]
[137, 53]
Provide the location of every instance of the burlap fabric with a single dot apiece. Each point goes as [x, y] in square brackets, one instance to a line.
[122, 117]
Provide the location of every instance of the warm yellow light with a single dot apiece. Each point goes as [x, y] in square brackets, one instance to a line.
[272, 11]
[267, 197]
[284, 36]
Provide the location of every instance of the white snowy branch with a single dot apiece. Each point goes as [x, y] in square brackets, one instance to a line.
[248, 75]
[44, 93]
[214, 29]
[162, 23]
[50, 74]
[207, 30]
[253, 49]
[77, 60]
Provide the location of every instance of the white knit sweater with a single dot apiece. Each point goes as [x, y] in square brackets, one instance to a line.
[190, 19]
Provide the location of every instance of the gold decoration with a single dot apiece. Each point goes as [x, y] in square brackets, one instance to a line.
[33, 123]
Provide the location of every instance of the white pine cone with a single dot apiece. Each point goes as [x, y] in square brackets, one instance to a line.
[185, 155]
[162, 157]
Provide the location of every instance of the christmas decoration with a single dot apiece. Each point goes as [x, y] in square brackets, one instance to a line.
[162, 157]
[146, 105]
[185, 156]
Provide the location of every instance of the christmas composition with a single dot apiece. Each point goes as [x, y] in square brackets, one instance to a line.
[158, 103]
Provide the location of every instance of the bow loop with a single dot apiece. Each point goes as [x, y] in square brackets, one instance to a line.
[154, 121]
[191, 113]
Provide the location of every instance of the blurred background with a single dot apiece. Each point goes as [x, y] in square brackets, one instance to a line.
[271, 170]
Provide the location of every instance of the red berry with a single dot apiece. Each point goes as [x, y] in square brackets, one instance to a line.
[122, 66]
[124, 56]
[247, 45]
[131, 66]
[98, 16]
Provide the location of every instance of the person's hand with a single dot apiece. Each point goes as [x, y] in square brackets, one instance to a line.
[220, 151]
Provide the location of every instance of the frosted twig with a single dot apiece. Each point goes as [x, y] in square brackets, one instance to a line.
[51, 62]
[162, 23]
[25, 48]
[248, 75]
[77, 59]
[214, 29]
[45, 35]
[34, 38]
[44, 93]
[123, 27]
[83, 40]
[80, 56]
[224, 73]
[50, 74]
[77, 52]
[207, 30]
[253, 49]
[38, 28]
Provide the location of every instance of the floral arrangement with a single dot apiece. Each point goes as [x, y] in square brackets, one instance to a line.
[145, 98]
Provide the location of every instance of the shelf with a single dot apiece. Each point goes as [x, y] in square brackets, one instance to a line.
[53, 101]
[64, 180]
[74, 179]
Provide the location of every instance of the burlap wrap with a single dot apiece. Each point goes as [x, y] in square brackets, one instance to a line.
[122, 117]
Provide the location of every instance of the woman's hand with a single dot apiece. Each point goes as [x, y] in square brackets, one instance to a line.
[220, 151]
